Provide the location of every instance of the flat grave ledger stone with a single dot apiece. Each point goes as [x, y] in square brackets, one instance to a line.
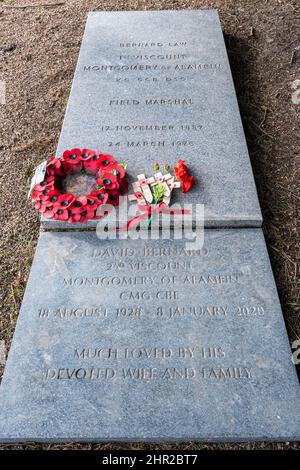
[156, 86]
[145, 341]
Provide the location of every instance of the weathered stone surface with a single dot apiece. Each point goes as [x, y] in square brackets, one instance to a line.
[199, 353]
[156, 86]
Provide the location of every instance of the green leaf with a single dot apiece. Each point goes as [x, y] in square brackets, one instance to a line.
[158, 192]
[114, 172]
[123, 165]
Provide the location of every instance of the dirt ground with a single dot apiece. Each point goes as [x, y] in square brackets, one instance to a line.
[38, 51]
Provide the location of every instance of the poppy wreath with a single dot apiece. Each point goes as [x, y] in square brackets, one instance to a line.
[54, 203]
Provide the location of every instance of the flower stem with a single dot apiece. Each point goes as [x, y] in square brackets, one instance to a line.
[150, 218]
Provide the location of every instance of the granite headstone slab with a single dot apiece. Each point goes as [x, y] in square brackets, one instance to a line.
[156, 86]
[109, 345]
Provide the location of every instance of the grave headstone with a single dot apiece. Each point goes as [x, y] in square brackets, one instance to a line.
[156, 86]
[109, 346]
[151, 340]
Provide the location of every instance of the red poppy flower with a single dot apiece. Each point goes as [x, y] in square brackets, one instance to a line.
[116, 169]
[101, 196]
[92, 203]
[83, 216]
[75, 154]
[181, 174]
[86, 155]
[71, 161]
[86, 215]
[64, 201]
[45, 205]
[61, 214]
[46, 183]
[54, 167]
[78, 204]
[38, 206]
[92, 164]
[36, 195]
[98, 161]
[45, 194]
[105, 161]
[108, 180]
[48, 212]
[53, 197]
[114, 198]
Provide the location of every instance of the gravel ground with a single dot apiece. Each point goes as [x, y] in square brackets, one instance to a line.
[38, 51]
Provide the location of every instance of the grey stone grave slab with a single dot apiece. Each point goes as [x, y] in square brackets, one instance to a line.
[144, 341]
[156, 86]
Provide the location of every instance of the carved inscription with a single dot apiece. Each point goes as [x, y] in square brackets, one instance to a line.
[197, 354]
[140, 373]
[165, 274]
[151, 63]
[155, 311]
[106, 281]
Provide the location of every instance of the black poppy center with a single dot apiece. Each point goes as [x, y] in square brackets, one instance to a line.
[100, 196]
[77, 204]
[105, 162]
[84, 213]
[84, 155]
[43, 183]
[53, 198]
[95, 157]
[51, 166]
[46, 192]
[90, 202]
[106, 181]
[64, 203]
[72, 156]
[60, 211]
[112, 197]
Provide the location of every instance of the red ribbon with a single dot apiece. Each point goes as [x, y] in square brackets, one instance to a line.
[161, 207]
